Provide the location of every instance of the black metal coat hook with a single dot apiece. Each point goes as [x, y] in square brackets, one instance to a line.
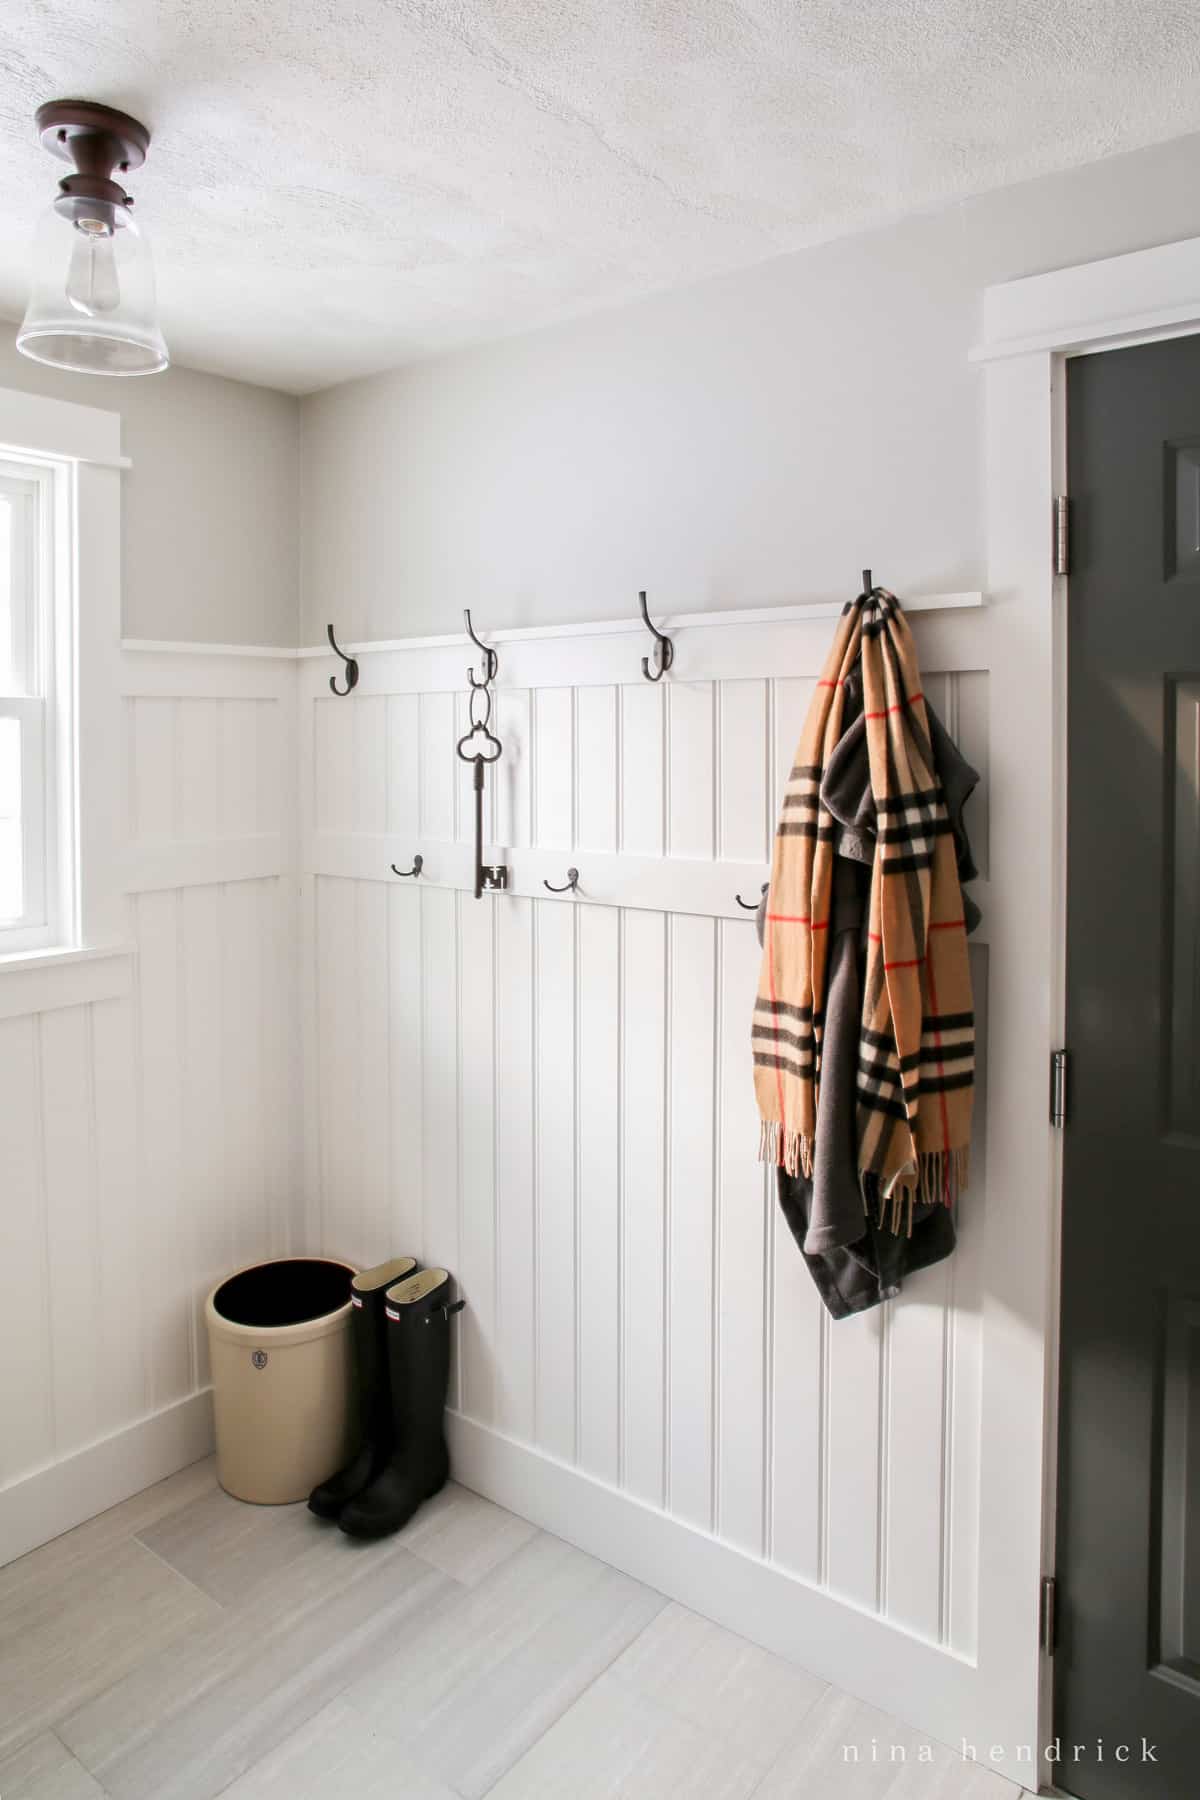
[491, 660]
[569, 885]
[750, 905]
[418, 865]
[351, 667]
[664, 649]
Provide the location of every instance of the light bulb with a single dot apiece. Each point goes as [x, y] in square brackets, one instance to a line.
[92, 285]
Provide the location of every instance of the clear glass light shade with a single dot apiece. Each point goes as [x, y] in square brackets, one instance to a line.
[91, 298]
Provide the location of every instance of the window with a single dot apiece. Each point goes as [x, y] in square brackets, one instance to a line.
[35, 829]
[61, 676]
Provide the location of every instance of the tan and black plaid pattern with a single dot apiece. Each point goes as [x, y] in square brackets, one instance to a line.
[916, 1053]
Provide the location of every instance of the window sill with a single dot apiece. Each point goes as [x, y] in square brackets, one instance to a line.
[57, 957]
[39, 981]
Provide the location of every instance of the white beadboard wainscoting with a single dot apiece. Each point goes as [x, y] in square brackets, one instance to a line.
[147, 1117]
[552, 1095]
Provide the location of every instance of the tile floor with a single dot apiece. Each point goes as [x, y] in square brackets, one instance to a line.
[183, 1646]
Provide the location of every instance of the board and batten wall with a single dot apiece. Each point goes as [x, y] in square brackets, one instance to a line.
[147, 1102]
[144, 1140]
[552, 1096]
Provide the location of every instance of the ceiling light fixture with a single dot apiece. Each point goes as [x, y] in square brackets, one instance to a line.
[91, 300]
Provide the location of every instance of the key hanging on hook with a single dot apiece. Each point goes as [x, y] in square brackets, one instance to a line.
[351, 668]
[487, 748]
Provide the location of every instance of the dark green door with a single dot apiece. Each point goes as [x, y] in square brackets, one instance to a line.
[1127, 1669]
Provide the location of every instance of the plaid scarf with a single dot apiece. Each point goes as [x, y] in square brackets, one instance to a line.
[917, 1045]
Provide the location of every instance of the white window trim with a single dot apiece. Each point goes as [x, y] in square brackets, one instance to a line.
[47, 726]
[80, 447]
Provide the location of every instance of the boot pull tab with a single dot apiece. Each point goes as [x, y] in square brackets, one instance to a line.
[444, 1311]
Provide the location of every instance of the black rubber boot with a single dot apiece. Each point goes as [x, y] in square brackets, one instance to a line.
[417, 1313]
[368, 1327]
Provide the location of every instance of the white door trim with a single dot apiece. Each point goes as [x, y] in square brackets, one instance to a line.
[1094, 306]
[1030, 328]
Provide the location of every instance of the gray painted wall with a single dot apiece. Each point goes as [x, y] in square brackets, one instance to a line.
[209, 510]
[749, 441]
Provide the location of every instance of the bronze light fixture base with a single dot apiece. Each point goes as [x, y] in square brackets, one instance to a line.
[98, 140]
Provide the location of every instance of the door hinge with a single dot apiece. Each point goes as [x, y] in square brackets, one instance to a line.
[1058, 1088]
[1062, 535]
[1048, 1622]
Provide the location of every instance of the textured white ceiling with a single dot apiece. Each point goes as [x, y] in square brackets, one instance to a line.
[339, 188]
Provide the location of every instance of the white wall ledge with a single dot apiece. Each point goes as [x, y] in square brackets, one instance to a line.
[178, 647]
[517, 634]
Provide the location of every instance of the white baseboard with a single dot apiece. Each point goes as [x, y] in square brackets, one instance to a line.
[41, 1506]
[926, 1686]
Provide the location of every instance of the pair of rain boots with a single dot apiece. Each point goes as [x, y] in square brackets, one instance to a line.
[400, 1320]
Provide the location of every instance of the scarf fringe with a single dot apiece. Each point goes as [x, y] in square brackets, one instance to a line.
[787, 1150]
[938, 1178]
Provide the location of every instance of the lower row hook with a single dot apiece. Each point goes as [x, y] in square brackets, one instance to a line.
[418, 865]
[568, 887]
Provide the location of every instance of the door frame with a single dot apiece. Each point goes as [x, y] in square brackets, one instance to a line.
[1030, 329]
